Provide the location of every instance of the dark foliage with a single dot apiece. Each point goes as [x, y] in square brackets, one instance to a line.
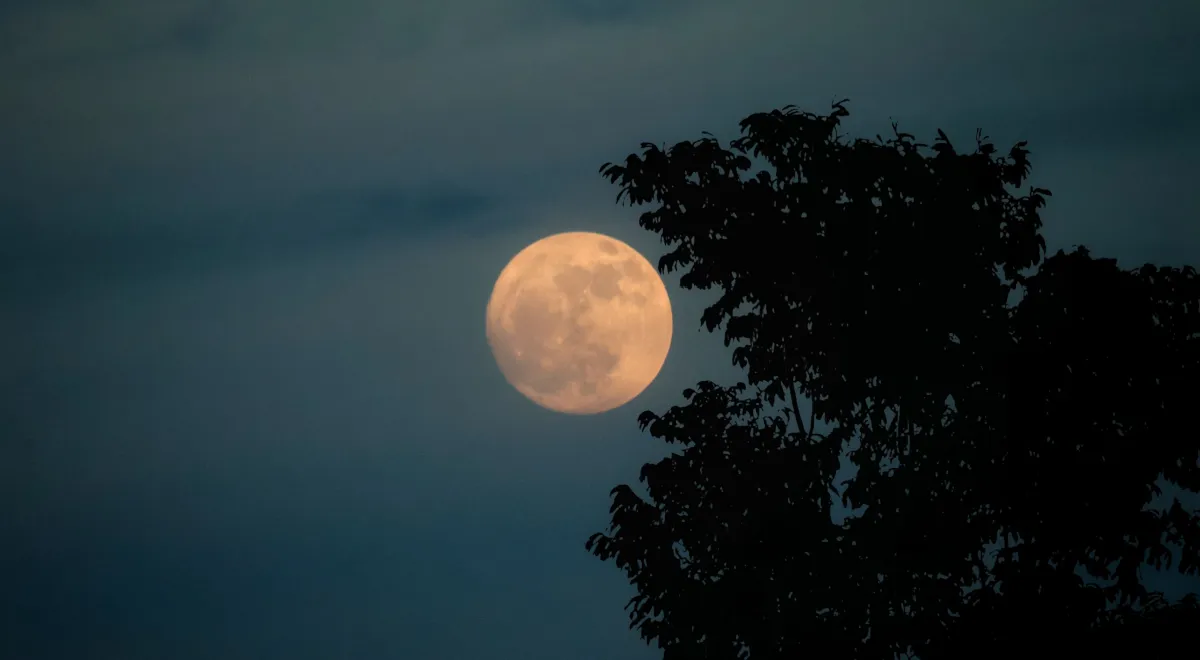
[1005, 452]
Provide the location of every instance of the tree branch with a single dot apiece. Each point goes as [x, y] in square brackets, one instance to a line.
[796, 409]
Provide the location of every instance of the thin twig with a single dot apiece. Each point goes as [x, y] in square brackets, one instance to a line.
[796, 409]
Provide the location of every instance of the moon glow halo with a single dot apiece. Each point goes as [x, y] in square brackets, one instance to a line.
[579, 322]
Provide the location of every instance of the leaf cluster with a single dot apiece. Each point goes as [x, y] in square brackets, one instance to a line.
[1001, 452]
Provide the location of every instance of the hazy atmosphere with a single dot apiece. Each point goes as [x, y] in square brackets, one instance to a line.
[249, 409]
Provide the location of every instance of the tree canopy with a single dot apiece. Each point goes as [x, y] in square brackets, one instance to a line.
[1009, 417]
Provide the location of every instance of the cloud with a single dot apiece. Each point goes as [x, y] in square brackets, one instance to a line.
[46, 251]
[138, 133]
[146, 138]
[339, 93]
[445, 202]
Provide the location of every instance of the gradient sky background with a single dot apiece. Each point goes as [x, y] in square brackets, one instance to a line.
[245, 248]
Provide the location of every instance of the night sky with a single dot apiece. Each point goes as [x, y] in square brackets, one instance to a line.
[248, 408]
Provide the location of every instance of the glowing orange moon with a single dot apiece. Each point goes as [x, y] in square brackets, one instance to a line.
[579, 322]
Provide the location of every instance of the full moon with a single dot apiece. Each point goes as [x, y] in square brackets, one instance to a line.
[579, 323]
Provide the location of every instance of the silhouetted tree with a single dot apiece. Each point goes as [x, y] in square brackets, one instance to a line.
[1004, 454]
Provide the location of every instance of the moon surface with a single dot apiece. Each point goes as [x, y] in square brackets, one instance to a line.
[579, 322]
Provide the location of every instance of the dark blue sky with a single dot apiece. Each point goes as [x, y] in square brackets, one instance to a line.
[245, 249]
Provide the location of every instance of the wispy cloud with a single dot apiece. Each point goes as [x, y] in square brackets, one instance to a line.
[319, 91]
[40, 254]
[252, 104]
